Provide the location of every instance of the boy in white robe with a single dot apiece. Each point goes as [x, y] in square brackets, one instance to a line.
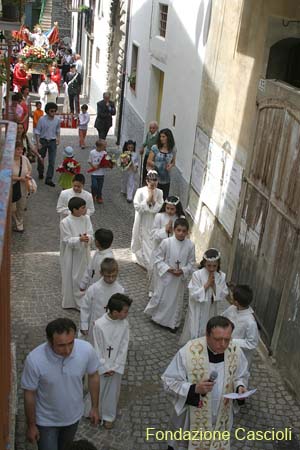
[94, 303]
[103, 241]
[76, 190]
[111, 338]
[147, 202]
[207, 296]
[245, 333]
[198, 400]
[174, 263]
[76, 235]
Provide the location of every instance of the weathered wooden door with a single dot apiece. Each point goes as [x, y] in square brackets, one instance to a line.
[269, 227]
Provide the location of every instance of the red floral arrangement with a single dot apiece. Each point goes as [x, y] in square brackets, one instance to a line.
[31, 54]
[70, 166]
[107, 162]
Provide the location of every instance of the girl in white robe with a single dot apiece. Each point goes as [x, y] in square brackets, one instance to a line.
[129, 176]
[174, 263]
[148, 201]
[76, 235]
[111, 338]
[162, 229]
[208, 291]
[94, 303]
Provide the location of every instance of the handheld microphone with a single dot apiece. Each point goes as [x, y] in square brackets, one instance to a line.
[213, 376]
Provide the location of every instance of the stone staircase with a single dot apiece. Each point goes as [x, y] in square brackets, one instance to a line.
[46, 21]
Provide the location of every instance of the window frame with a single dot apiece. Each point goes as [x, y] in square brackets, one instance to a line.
[163, 19]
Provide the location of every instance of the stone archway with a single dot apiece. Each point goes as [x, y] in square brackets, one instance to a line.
[116, 50]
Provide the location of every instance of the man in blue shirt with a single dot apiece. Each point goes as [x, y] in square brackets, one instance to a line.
[47, 134]
[53, 389]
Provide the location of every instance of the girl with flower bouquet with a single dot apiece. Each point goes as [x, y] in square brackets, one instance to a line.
[68, 169]
[128, 161]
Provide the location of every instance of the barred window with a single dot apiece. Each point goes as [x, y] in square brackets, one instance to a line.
[97, 56]
[163, 17]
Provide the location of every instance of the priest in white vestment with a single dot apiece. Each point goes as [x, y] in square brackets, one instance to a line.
[245, 332]
[48, 91]
[95, 301]
[198, 401]
[111, 338]
[75, 191]
[147, 201]
[174, 262]
[76, 236]
[207, 296]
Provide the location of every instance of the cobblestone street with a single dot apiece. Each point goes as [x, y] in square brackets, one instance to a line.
[36, 300]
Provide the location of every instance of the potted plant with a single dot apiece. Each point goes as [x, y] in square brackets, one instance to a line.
[83, 8]
[11, 10]
[132, 79]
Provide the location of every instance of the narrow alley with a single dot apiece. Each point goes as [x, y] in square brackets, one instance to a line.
[36, 299]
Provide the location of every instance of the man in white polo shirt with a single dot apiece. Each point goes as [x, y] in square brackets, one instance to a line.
[53, 389]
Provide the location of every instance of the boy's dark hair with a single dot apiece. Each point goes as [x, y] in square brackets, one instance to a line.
[24, 87]
[82, 444]
[76, 203]
[50, 105]
[104, 237]
[117, 302]
[59, 326]
[18, 144]
[79, 177]
[16, 97]
[84, 106]
[108, 265]
[243, 294]
[181, 222]
[38, 103]
[218, 321]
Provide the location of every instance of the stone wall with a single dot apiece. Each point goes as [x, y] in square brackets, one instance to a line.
[61, 15]
[132, 125]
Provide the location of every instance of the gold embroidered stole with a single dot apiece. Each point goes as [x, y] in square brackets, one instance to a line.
[201, 418]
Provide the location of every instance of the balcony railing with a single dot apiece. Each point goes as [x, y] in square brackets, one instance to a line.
[72, 5]
[8, 132]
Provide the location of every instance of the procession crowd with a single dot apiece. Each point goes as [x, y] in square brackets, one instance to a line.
[223, 337]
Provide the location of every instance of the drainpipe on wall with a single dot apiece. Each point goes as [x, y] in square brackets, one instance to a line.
[124, 73]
